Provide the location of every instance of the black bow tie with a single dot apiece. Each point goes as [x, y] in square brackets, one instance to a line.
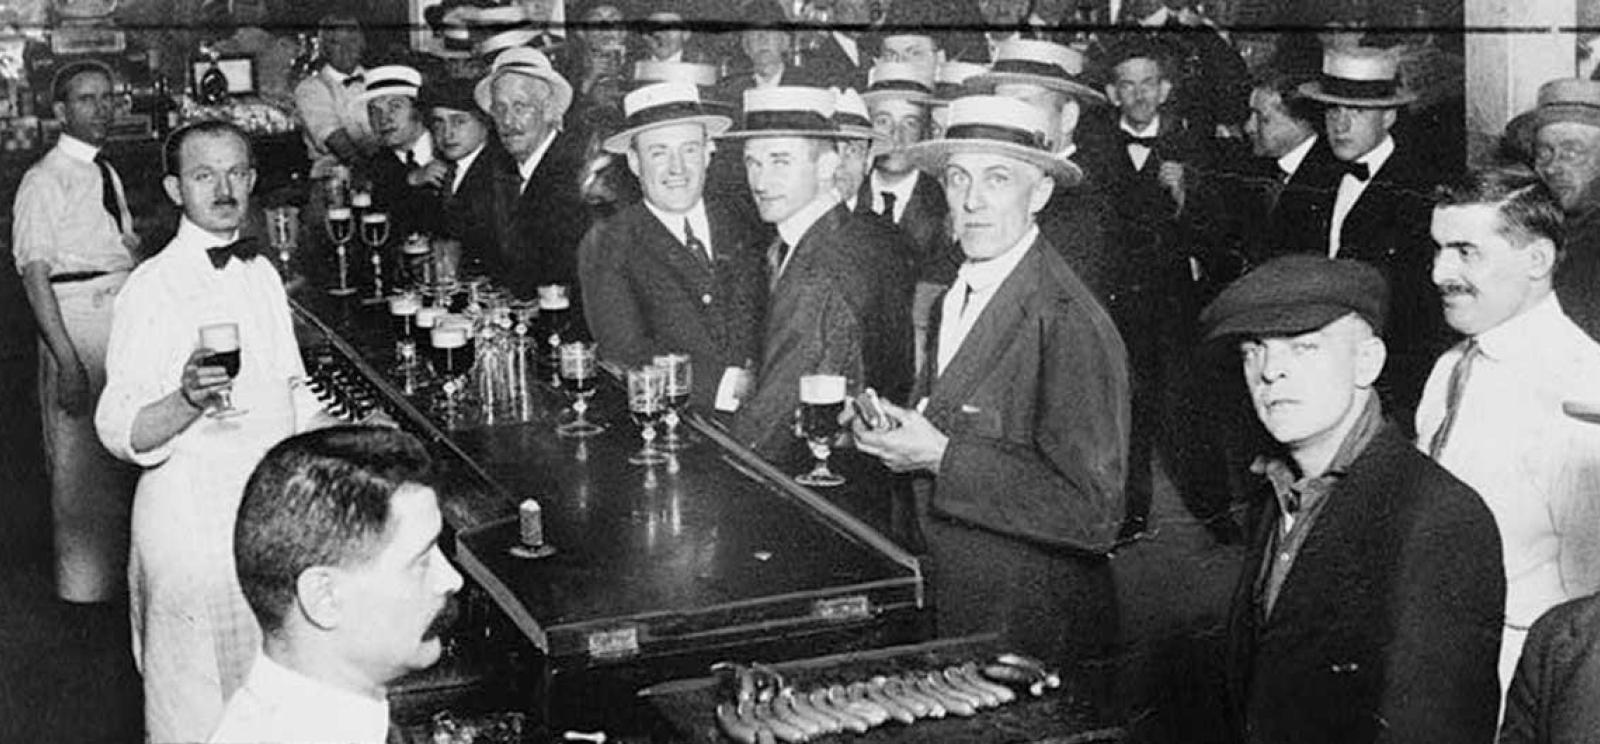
[1129, 138]
[353, 78]
[243, 249]
[1358, 170]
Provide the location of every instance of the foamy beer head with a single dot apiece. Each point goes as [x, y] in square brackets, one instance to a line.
[451, 320]
[220, 336]
[821, 390]
[428, 317]
[416, 245]
[553, 297]
[448, 337]
[374, 218]
[339, 213]
[362, 199]
[405, 304]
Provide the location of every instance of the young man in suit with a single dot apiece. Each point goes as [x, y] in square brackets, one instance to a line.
[675, 272]
[543, 214]
[470, 157]
[404, 172]
[1019, 442]
[1380, 205]
[840, 288]
[1295, 165]
[1368, 607]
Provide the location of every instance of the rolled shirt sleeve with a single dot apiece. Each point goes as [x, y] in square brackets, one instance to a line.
[144, 363]
[35, 214]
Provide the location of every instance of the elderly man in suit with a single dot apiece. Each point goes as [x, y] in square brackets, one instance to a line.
[1020, 441]
[675, 272]
[1368, 606]
[542, 212]
[840, 286]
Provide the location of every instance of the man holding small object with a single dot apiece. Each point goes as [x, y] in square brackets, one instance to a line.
[193, 634]
[1020, 440]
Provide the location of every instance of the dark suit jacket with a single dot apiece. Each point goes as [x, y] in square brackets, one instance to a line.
[843, 306]
[1577, 279]
[926, 221]
[647, 294]
[410, 208]
[540, 227]
[1553, 697]
[1388, 626]
[472, 212]
[1029, 496]
[1299, 215]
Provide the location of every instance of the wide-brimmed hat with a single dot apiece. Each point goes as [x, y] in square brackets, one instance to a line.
[510, 38]
[1574, 100]
[787, 111]
[1296, 294]
[698, 74]
[1036, 62]
[997, 125]
[950, 80]
[532, 63]
[898, 80]
[850, 113]
[391, 80]
[1363, 77]
[661, 104]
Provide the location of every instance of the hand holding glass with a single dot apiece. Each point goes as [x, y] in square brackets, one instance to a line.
[821, 402]
[222, 341]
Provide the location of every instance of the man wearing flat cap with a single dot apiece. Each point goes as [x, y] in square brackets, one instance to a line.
[470, 156]
[1019, 441]
[1563, 133]
[1368, 604]
[676, 272]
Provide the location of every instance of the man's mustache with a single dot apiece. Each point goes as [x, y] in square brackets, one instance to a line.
[1449, 289]
[444, 620]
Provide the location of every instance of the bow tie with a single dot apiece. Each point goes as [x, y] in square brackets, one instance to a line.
[243, 249]
[1358, 170]
[353, 78]
[1129, 138]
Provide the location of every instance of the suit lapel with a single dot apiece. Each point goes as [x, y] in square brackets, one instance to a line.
[692, 265]
[803, 255]
[1001, 320]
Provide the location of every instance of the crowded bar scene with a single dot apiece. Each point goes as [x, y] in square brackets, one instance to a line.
[759, 371]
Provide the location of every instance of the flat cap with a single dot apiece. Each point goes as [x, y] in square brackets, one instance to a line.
[1296, 294]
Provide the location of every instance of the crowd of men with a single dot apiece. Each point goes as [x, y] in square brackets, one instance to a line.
[1030, 246]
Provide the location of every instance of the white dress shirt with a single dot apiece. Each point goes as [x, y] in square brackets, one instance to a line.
[421, 149]
[1291, 160]
[696, 217]
[1139, 154]
[525, 168]
[793, 229]
[59, 217]
[963, 308]
[1351, 189]
[1537, 469]
[280, 705]
[326, 105]
[462, 166]
[901, 189]
[851, 49]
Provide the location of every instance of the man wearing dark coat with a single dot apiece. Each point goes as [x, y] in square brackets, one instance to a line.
[1552, 697]
[840, 287]
[654, 282]
[1019, 439]
[404, 169]
[1370, 601]
[470, 157]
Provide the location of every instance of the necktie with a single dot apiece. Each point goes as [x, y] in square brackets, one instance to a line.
[1128, 138]
[888, 204]
[966, 301]
[449, 178]
[1358, 170]
[693, 243]
[411, 160]
[777, 253]
[352, 79]
[243, 249]
[108, 190]
[1452, 398]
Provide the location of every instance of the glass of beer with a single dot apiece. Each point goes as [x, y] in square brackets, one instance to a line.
[679, 382]
[647, 401]
[578, 368]
[403, 308]
[554, 308]
[821, 402]
[341, 228]
[452, 349]
[375, 234]
[221, 340]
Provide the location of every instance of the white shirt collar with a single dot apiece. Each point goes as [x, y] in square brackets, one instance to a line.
[795, 227]
[1523, 333]
[696, 215]
[190, 234]
[1150, 130]
[348, 715]
[337, 78]
[849, 46]
[1291, 160]
[76, 148]
[984, 276]
[423, 147]
[1377, 156]
[465, 164]
[902, 191]
[527, 167]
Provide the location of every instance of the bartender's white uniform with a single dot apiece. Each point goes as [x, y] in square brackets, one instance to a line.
[193, 633]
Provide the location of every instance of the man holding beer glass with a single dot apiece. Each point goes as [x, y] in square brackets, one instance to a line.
[193, 633]
[1021, 437]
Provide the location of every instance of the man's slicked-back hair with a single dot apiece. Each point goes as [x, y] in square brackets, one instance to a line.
[61, 84]
[172, 150]
[1286, 85]
[319, 499]
[1529, 210]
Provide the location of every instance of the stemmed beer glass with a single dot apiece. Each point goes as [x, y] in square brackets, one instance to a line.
[647, 400]
[341, 228]
[578, 369]
[222, 341]
[375, 234]
[821, 402]
[679, 372]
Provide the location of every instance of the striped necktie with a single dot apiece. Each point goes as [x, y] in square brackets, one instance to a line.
[1452, 400]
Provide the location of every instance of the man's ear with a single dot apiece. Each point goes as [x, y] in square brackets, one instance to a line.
[1111, 94]
[1541, 258]
[170, 184]
[827, 163]
[1040, 195]
[1389, 118]
[316, 593]
[1371, 353]
[1164, 90]
[60, 110]
[1071, 111]
[633, 162]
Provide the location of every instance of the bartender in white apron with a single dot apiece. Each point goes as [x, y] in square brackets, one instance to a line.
[71, 236]
[194, 635]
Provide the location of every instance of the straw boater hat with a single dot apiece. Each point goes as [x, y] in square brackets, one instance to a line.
[1034, 62]
[901, 80]
[1000, 126]
[787, 111]
[850, 113]
[1363, 77]
[1574, 100]
[391, 80]
[693, 73]
[950, 80]
[532, 63]
[661, 104]
[508, 39]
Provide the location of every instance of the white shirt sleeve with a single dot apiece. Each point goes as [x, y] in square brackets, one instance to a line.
[144, 363]
[36, 212]
[290, 366]
[319, 112]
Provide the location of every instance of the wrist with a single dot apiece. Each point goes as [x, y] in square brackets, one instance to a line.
[184, 393]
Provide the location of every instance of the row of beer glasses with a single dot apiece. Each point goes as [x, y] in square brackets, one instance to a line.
[341, 225]
[656, 392]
